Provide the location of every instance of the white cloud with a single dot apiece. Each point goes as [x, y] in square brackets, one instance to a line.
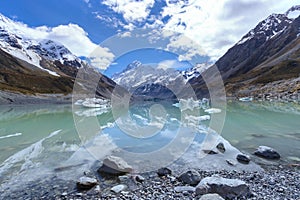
[215, 25]
[101, 58]
[132, 10]
[166, 64]
[186, 47]
[73, 37]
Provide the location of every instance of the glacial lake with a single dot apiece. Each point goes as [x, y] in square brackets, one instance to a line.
[38, 139]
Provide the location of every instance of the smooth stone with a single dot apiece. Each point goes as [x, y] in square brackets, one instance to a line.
[242, 158]
[179, 189]
[191, 177]
[211, 197]
[118, 188]
[227, 188]
[210, 152]
[139, 178]
[221, 147]
[123, 178]
[267, 152]
[164, 171]
[231, 162]
[85, 183]
[115, 166]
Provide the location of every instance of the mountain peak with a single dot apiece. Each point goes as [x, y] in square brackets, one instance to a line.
[268, 28]
[293, 12]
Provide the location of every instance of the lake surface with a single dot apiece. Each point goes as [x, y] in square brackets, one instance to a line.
[45, 138]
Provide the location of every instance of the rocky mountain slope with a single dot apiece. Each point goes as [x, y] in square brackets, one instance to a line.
[37, 67]
[154, 82]
[265, 61]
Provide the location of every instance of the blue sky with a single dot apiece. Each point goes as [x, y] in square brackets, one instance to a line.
[82, 25]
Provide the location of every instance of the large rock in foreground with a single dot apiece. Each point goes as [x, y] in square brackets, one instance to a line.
[113, 165]
[191, 177]
[211, 197]
[267, 152]
[86, 183]
[227, 188]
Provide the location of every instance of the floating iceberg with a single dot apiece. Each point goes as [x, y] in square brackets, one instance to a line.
[187, 104]
[94, 103]
[213, 110]
[245, 99]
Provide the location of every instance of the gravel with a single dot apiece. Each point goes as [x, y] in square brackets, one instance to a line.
[276, 182]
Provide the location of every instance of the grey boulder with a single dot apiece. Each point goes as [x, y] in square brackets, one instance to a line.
[227, 188]
[114, 166]
[267, 152]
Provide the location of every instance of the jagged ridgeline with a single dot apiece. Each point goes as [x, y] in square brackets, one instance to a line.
[37, 67]
[267, 56]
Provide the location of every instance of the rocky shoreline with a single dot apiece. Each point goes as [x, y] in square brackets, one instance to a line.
[275, 182]
[13, 98]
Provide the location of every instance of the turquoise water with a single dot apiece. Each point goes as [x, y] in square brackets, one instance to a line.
[45, 136]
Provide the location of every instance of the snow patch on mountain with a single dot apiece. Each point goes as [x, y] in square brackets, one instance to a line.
[195, 71]
[273, 25]
[293, 12]
[136, 74]
[17, 40]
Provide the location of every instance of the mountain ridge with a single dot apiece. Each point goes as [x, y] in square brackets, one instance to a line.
[36, 67]
[267, 53]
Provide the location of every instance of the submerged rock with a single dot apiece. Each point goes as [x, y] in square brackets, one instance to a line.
[114, 166]
[231, 162]
[221, 147]
[267, 152]
[86, 183]
[210, 152]
[242, 158]
[227, 188]
[164, 171]
[191, 177]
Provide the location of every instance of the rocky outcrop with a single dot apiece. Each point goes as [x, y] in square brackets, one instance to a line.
[242, 158]
[86, 183]
[191, 177]
[267, 152]
[227, 188]
[114, 166]
[164, 171]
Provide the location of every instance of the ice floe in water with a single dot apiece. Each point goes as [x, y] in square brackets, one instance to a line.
[10, 135]
[213, 110]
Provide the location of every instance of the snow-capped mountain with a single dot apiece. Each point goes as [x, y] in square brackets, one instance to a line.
[264, 33]
[195, 71]
[268, 28]
[14, 39]
[31, 64]
[154, 81]
[267, 55]
[151, 81]
[272, 26]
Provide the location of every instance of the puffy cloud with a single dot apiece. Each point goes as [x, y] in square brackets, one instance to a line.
[132, 10]
[73, 37]
[101, 58]
[167, 64]
[215, 25]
